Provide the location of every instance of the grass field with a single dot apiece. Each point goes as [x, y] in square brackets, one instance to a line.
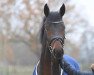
[16, 70]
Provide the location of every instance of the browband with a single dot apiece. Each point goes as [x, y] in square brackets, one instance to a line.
[56, 22]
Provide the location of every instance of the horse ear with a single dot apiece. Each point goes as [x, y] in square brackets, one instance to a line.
[46, 10]
[62, 10]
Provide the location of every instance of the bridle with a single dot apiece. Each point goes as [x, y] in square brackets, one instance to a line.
[59, 39]
[52, 50]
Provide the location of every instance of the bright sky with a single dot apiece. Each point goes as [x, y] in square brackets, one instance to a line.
[88, 6]
[86, 9]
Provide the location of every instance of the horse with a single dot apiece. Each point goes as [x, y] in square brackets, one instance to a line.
[52, 36]
[52, 39]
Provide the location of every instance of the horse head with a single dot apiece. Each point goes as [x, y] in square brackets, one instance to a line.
[53, 31]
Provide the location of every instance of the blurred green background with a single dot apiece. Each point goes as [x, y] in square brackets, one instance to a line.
[20, 22]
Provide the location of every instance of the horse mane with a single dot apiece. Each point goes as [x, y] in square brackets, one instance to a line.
[42, 30]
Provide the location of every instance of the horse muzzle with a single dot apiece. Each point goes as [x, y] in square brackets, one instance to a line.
[56, 48]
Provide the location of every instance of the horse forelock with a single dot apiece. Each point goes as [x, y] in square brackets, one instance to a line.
[54, 17]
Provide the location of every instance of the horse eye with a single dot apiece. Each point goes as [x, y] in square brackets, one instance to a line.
[62, 32]
[48, 30]
[49, 33]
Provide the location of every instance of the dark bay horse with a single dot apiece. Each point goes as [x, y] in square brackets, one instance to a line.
[52, 40]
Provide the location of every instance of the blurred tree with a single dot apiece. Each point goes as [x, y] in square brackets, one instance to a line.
[20, 20]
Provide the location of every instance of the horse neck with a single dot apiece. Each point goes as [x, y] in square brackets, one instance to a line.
[48, 66]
